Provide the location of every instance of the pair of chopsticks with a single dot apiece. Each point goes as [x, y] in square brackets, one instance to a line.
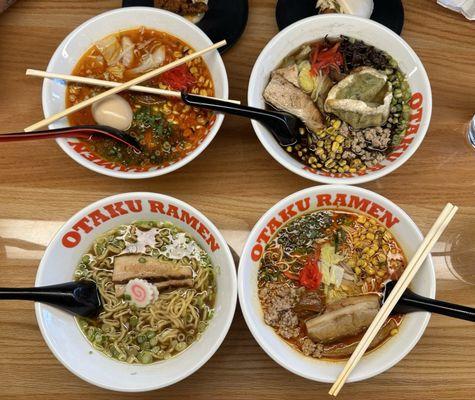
[421, 254]
[110, 84]
[116, 88]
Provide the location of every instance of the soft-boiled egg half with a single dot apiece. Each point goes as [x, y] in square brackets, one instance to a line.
[113, 111]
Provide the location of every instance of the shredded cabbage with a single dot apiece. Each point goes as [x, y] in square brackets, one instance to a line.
[332, 273]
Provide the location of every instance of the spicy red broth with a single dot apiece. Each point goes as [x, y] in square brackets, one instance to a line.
[166, 128]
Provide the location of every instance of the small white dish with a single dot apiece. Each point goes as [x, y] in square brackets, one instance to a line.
[377, 361]
[61, 331]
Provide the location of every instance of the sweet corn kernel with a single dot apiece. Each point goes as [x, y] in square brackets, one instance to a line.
[340, 138]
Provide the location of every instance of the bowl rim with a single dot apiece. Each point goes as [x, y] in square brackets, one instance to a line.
[264, 135]
[46, 92]
[223, 329]
[247, 309]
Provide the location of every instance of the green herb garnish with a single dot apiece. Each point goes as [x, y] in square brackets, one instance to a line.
[301, 233]
[145, 118]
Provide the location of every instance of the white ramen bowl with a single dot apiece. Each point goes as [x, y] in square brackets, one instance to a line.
[373, 33]
[84, 36]
[382, 358]
[62, 333]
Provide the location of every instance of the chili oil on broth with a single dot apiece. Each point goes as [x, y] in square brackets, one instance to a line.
[365, 255]
[174, 320]
[166, 128]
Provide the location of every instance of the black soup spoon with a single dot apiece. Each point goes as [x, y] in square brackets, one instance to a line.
[283, 126]
[411, 302]
[78, 298]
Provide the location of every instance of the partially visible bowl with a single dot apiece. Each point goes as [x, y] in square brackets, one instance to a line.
[61, 331]
[372, 33]
[78, 41]
[409, 238]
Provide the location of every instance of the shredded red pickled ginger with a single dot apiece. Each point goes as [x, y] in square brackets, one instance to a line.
[324, 59]
[178, 78]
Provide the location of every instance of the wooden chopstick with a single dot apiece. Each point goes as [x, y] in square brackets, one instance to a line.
[124, 86]
[99, 82]
[421, 254]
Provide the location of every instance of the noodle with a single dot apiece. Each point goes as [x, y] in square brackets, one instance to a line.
[313, 263]
[168, 325]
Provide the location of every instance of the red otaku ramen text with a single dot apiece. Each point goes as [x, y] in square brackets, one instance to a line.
[110, 211]
[322, 201]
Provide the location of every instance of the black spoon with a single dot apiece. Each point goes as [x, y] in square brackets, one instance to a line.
[284, 126]
[82, 131]
[411, 302]
[78, 298]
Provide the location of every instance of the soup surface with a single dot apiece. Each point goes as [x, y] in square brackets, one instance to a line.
[165, 127]
[320, 278]
[158, 290]
[351, 98]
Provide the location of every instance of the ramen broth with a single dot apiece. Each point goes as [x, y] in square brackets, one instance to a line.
[165, 127]
[351, 98]
[158, 290]
[320, 280]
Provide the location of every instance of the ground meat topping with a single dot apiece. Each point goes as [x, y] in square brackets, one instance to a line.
[370, 144]
[288, 325]
[309, 348]
[278, 302]
[367, 146]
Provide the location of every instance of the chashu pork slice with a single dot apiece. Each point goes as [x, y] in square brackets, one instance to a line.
[127, 267]
[290, 73]
[348, 317]
[285, 96]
